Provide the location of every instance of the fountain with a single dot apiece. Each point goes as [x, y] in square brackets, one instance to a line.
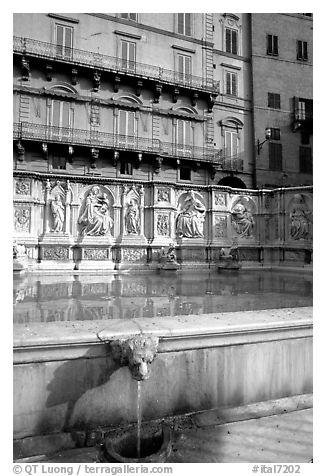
[167, 260]
[153, 445]
[229, 257]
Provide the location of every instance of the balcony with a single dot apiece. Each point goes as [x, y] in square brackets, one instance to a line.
[303, 115]
[77, 57]
[229, 163]
[89, 138]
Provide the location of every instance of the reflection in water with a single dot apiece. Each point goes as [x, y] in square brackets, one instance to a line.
[128, 296]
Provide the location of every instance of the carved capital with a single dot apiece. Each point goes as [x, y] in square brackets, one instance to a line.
[211, 102]
[96, 80]
[20, 151]
[176, 92]
[74, 76]
[48, 71]
[157, 92]
[25, 69]
[116, 83]
[139, 87]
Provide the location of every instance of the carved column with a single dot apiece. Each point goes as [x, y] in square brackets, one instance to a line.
[141, 210]
[46, 206]
[68, 207]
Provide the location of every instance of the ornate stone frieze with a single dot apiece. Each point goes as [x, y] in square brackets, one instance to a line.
[220, 223]
[23, 187]
[55, 253]
[132, 254]
[163, 224]
[163, 195]
[22, 219]
[94, 289]
[96, 253]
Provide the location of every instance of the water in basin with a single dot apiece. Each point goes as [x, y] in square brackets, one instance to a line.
[73, 297]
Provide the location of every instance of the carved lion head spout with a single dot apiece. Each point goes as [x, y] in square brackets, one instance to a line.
[137, 352]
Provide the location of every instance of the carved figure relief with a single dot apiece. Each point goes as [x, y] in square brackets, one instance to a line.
[58, 213]
[191, 217]
[163, 225]
[220, 227]
[242, 218]
[163, 195]
[300, 217]
[22, 219]
[94, 219]
[132, 217]
[23, 188]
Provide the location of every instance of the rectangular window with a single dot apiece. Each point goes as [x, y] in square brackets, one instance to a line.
[185, 173]
[64, 41]
[126, 167]
[275, 156]
[230, 144]
[305, 160]
[272, 45]
[184, 23]
[275, 134]
[184, 68]
[184, 137]
[128, 55]
[231, 83]
[58, 162]
[129, 16]
[274, 101]
[231, 41]
[302, 50]
[127, 128]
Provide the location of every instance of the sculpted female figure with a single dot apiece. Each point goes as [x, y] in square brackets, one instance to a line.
[300, 219]
[132, 217]
[95, 219]
[58, 213]
[190, 220]
[242, 220]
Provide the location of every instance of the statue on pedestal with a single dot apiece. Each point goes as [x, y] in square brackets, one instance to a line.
[58, 213]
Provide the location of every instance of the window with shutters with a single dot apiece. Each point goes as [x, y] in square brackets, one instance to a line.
[126, 167]
[64, 41]
[274, 100]
[60, 119]
[128, 55]
[303, 109]
[129, 16]
[183, 137]
[305, 160]
[275, 156]
[272, 45]
[127, 127]
[231, 83]
[231, 144]
[302, 50]
[275, 134]
[184, 23]
[59, 162]
[184, 68]
[231, 41]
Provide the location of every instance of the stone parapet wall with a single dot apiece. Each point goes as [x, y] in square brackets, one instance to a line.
[110, 224]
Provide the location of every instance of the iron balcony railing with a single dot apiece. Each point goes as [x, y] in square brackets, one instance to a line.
[94, 138]
[230, 163]
[99, 61]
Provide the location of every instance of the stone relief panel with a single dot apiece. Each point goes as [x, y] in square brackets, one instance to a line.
[55, 253]
[22, 219]
[131, 254]
[300, 218]
[23, 187]
[242, 218]
[190, 216]
[163, 195]
[95, 253]
[220, 226]
[163, 224]
[220, 200]
[95, 216]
